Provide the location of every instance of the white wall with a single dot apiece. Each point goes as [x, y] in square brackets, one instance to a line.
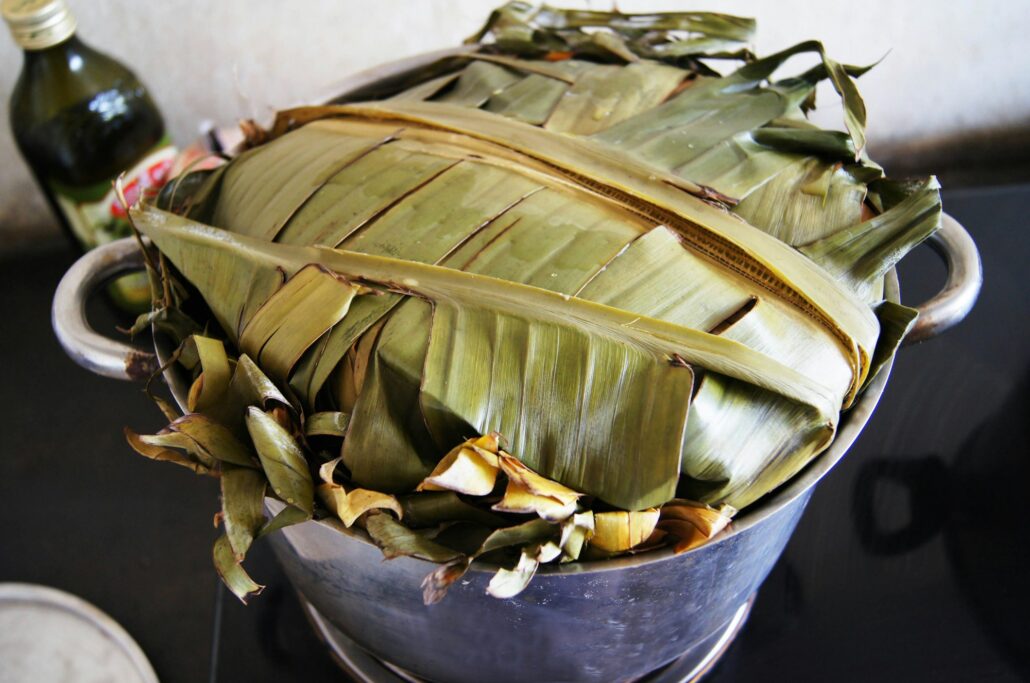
[951, 65]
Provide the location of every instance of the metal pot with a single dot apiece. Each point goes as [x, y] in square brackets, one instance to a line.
[592, 621]
[613, 620]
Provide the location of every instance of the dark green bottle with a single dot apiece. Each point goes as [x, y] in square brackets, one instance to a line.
[80, 119]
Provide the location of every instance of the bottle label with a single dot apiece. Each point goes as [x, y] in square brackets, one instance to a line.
[96, 215]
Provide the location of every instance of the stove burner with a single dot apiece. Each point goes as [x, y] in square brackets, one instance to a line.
[363, 667]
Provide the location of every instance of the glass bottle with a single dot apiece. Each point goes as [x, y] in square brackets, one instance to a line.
[80, 118]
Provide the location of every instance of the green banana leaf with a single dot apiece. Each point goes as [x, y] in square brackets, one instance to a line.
[401, 388]
[282, 460]
[650, 278]
[231, 571]
[522, 29]
[606, 327]
[397, 540]
[243, 493]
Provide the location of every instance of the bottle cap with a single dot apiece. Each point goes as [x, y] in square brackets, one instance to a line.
[38, 24]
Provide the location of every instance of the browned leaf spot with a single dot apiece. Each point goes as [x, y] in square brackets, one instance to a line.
[140, 364]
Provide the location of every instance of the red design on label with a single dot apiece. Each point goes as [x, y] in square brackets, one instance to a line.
[148, 181]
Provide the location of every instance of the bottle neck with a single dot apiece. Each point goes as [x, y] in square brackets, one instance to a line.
[69, 52]
[64, 75]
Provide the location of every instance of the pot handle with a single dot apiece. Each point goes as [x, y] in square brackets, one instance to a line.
[93, 351]
[965, 277]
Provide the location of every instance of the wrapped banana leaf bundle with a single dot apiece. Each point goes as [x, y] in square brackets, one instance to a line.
[587, 287]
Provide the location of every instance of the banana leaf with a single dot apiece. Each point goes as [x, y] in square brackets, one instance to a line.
[214, 380]
[507, 583]
[522, 29]
[214, 440]
[231, 571]
[314, 301]
[282, 460]
[397, 540]
[862, 253]
[605, 95]
[435, 507]
[173, 448]
[647, 191]
[327, 423]
[466, 469]
[576, 531]
[243, 492]
[490, 299]
[730, 133]
[479, 82]
[649, 278]
[617, 531]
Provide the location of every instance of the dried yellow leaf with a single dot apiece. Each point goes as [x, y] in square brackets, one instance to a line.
[325, 472]
[534, 483]
[507, 583]
[575, 532]
[519, 499]
[348, 506]
[686, 534]
[618, 531]
[487, 442]
[466, 469]
[693, 524]
[708, 520]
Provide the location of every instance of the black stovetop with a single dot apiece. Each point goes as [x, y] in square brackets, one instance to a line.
[909, 564]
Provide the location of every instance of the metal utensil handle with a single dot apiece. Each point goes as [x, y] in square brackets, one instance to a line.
[965, 277]
[83, 345]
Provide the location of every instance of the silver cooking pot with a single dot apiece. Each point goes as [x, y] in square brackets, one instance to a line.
[589, 621]
[657, 614]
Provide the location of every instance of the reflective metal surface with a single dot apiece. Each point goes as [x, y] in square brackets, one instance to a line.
[95, 352]
[965, 278]
[363, 668]
[602, 621]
